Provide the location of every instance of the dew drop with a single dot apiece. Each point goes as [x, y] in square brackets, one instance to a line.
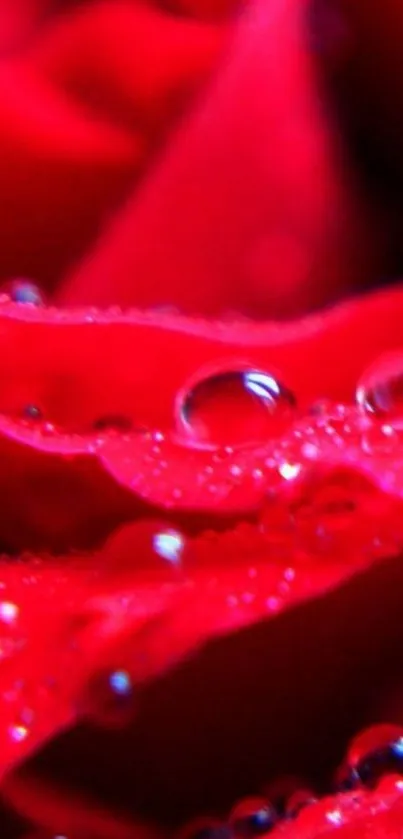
[234, 407]
[380, 391]
[169, 545]
[150, 546]
[21, 729]
[32, 413]
[26, 292]
[374, 753]
[335, 817]
[252, 817]
[18, 733]
[12, 639]
[109, 700]
[297, 801]
[8, 612]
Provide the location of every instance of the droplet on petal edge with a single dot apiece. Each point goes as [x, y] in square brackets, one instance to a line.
[380, 390]
[24, 292]
[235, 406]
[252, 817]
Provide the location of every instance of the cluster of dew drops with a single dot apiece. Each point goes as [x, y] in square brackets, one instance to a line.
[373, 762]
[231, 408]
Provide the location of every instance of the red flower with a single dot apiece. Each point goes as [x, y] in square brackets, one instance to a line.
[168, 479]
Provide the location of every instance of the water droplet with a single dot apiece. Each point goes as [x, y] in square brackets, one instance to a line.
[335, 817]
[169, 545]
[109, 699]
[18, 733]
[234, 407]
[26, 292]
[297, 801]
[282, 790]
[252, 817]
[150, 546]
[375, 752]
[289, 471]
[32, 413]
[8, 612]
[21, 729]
[380, 391]
[12, 638]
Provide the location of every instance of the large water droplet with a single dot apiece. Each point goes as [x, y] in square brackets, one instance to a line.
[380, 391]
[24, 291]
[234, 407]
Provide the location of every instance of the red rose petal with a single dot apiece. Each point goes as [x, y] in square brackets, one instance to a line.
[71, 366]
[75, 166]
[80, 366]
[206, 9]
[130, 62]
[139, 616]
[75, 617]
[18, 19]
[250, 206]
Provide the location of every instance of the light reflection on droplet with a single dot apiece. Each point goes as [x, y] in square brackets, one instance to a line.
[169, 545]
[289, 471]
[8, 611]
[18, 733]
[335, 817]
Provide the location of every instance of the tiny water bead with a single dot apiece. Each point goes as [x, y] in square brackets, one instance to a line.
[32, 413]
[150, 546]
[12, 638]
[373, 754]
[252, 817]
[25, 292]
[380, 391]
[234, 407]
[297, 801]
[109, 700]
